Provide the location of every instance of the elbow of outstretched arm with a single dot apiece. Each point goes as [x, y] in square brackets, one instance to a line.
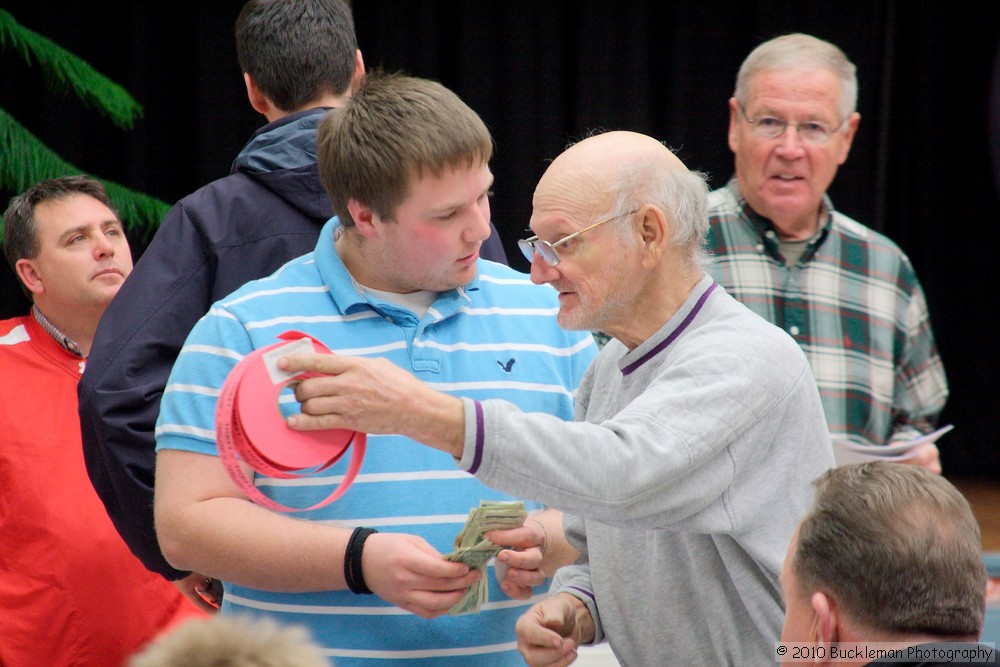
[178, 531]
[173, 543]
[183, 490]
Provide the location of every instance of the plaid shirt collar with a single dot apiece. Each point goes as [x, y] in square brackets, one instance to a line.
[768, 235]
[65, 341]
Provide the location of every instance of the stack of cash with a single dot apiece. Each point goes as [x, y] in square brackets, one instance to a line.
[472, 548]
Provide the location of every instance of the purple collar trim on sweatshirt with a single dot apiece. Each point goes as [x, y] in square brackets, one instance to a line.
[674, 334]
[477, 459]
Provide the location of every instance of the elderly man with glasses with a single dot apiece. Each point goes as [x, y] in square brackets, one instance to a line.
[699, 427]
[846, 294]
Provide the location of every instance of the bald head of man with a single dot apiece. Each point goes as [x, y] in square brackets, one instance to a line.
[619, 225]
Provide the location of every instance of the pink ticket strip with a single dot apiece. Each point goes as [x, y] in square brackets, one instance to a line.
[249, 426]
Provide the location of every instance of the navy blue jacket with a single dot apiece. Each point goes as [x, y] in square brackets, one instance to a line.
[269, 210]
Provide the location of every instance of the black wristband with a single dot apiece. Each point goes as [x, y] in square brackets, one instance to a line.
[353, 574]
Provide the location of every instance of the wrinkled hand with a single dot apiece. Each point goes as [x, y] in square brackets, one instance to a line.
[373, 396]
[408, 572]
[519, 569]
[548, 633]
[350, 392]
[927, 456]
[204, 592]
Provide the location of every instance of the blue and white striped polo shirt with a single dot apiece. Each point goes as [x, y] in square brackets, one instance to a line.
[496, 337]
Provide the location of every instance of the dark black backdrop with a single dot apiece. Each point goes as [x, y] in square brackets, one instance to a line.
[542, 73]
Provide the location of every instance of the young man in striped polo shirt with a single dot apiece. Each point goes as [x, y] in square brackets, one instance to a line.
[396, 277]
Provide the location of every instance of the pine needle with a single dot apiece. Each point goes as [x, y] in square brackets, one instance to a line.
[64, 71]
[25, 160]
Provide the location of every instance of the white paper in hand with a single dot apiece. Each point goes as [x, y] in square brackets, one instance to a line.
[846, 453]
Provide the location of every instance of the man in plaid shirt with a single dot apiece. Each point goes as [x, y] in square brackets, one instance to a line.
[847, 294]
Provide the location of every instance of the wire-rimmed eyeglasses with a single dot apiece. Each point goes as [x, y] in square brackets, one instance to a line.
[547, 250]
[770, 127]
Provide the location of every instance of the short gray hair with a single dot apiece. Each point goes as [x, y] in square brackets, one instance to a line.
[682, 196]
[799, 50]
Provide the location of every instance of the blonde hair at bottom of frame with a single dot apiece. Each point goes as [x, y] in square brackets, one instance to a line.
[231, 641]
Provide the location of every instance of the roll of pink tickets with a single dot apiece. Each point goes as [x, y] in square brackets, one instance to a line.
[250, 427]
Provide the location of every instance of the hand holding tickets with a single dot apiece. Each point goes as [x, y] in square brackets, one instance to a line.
[250, 428]
[473, 549]
[846, 453]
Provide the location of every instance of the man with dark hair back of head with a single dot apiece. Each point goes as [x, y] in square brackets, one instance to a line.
[847, 294]
[298, 59]
[887, 554]
[396, 278]
[71, 593]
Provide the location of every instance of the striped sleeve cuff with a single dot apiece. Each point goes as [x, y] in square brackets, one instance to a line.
[472, 453]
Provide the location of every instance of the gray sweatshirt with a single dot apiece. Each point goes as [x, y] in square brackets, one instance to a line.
[683, 478]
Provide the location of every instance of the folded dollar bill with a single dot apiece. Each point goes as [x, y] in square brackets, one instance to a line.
[472, 547]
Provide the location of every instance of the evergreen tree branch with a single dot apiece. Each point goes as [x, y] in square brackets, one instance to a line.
[26, 160]
[64, 71]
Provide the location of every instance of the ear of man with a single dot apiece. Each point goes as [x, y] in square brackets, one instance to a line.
[359, 71]
[827, 619]
[260, 102]
[364, 218]
[29, 276]
[852, 127]
[734, 121]
[654, 231]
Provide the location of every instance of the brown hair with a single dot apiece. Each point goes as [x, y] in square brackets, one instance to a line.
[297, 51]
[20, 232]
[898, 546]
[393, 129]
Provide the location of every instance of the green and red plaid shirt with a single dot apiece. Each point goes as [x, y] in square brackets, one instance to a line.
[854, 305]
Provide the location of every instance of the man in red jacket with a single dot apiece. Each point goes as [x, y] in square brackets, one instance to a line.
[71, 593]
